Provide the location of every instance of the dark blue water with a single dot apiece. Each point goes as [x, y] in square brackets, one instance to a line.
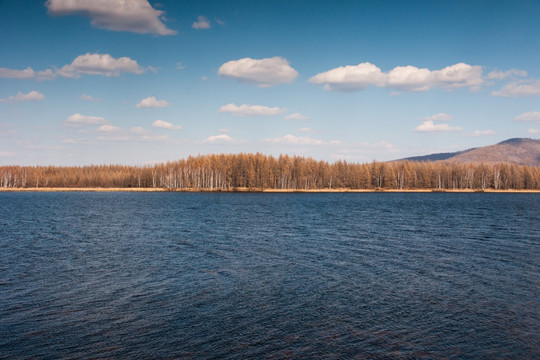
[281, 276]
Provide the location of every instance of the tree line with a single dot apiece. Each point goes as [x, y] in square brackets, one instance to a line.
[257, 172]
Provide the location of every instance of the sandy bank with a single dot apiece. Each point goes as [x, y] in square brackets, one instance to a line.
[98, 189]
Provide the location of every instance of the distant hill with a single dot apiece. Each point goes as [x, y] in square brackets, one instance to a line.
[515, 151]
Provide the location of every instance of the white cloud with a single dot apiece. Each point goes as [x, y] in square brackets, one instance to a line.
[78, 119]
[118, 15]
[439, 117]
[483, 133]
[165, 125]
[299, 140]
[251, 110]
[296, 116]
[519, 88]
[401, 78]
[31, 96]
[429, 126]
[263, 72]
[179, 66]
[306, 130]
[99, 64]
[7, 153]
[201, 23]
[221, 138]
[88, 98]
[90, 64]
[114, 138]
[74, 141]
[27, 73]
[501, 75]
[108, 128]
[45, 75]
[349, 77]
[154, 138]
[144, 135]
[532, 116]
[34, 146]
[139, 130]
[224, 130]
[533, 131]
[152, 102]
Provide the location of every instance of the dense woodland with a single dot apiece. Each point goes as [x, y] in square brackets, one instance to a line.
[258, 172]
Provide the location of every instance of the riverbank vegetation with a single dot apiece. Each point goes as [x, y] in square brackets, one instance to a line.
[256, 172]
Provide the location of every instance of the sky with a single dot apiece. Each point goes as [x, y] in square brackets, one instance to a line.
[138, 82]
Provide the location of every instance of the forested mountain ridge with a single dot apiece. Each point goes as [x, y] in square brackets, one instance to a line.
[519, 151]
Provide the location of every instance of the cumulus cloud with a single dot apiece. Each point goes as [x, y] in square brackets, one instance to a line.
[139, 130]
[108, 128]
[221, 138]
[27, 73]
[430, 126]
[154, 138]
[483, 133]
[519, 88]
[296, 140]
[201, 23]
[89, 64]
[300, 140]
[532, 116]
[296, 116]
[533, 131]
[262, 72]
[180, 66]
[75, 141]
[136, 16]
[439, 117]
[78, 119]
[31, 96]
[139, 133]
[99, 64]
[118, 138]
[251, 110]
[45, 75]
[501, 75]
[401, 78]
[152, 102]
[165, 125]
[88, 98]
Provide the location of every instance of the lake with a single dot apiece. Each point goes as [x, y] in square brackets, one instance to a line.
[282, 276]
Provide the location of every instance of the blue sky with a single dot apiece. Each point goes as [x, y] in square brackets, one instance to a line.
[138, 82]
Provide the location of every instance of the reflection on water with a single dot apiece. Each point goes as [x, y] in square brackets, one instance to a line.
[286, 276]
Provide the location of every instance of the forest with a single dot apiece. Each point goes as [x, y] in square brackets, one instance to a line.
[255, 172]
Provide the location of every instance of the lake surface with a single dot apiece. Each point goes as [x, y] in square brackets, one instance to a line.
[281, 276]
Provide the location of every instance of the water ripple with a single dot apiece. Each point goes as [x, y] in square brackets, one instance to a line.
[278, 276]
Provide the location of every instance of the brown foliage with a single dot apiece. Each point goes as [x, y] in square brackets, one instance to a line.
[258, 172]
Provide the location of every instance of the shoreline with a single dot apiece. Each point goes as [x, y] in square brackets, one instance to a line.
[247, 190]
